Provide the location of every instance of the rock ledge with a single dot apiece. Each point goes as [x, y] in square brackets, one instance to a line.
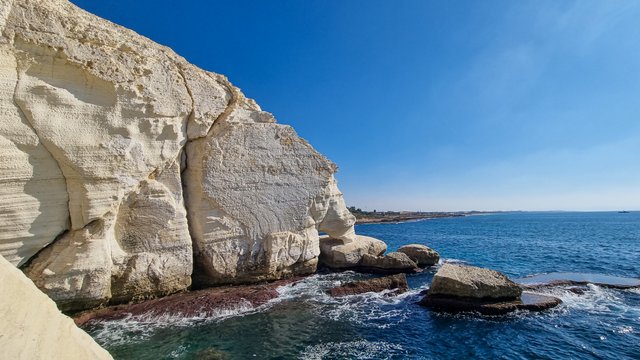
[397, 282]
[468, 288]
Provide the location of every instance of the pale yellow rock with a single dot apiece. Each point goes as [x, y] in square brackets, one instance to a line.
[250, 186]
[101, 131]
[152, 253]
[343, 254]
[330, 212]
[421, 254]
[32, 327]
[109, 110]
[472, 282]
[33, 206]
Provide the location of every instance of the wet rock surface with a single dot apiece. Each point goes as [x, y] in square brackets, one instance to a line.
[528, 301]
[194, 303]
[397, 282]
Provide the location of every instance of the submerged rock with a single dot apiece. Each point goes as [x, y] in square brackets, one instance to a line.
[578, 290]
[570, 278]
[391, 263]
[396, 282]
[211, 354]
[422, 255]
[473, 282]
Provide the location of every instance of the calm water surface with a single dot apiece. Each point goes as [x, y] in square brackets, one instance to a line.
[304, 323]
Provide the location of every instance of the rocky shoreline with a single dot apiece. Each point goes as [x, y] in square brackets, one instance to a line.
[454, 288]
[380, 219]
[377, 217]
[191, 303]
[366, 255]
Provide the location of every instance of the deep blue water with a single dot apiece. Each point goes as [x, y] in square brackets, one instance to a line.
[304, 323]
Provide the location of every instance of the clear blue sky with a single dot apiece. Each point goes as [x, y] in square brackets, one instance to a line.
[433, 105]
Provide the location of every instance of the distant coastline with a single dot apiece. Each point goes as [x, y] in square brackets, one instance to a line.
[378, 217]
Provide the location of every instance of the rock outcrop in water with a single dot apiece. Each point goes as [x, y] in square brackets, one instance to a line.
[390, 263]
[396, 283]
[473, 282]
[340, 254]
[422, 255]
[468, 288]
[33, 328]
[367, 255]
[127, 172]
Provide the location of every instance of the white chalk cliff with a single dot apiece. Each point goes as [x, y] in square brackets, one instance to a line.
[126, 172]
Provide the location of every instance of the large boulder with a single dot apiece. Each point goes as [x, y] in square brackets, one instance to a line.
[397, 283]
[32, 327]
[422, 255]
[469, 288]
[129, 173]
[391, 263]
[342, 254]
[473, 282]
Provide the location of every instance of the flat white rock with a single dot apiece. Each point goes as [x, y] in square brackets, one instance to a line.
[33, 328]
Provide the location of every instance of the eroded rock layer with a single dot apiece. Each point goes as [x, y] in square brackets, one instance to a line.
[126, 171]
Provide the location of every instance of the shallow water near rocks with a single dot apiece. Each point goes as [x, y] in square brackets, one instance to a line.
[305, 323]
[579, 278]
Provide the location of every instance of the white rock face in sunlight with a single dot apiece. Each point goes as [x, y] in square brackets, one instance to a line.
[127, 172]
[33, 328]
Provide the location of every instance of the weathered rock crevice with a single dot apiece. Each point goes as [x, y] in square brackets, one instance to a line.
[28, 262]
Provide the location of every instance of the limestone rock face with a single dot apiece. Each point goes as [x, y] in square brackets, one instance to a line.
[341, 254]
[422, 255]
[127, 171]
[257, 195]
[464, 281]
[33, 328]
[34, 197]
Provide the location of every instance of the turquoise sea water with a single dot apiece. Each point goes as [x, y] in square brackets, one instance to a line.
[304, 323]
